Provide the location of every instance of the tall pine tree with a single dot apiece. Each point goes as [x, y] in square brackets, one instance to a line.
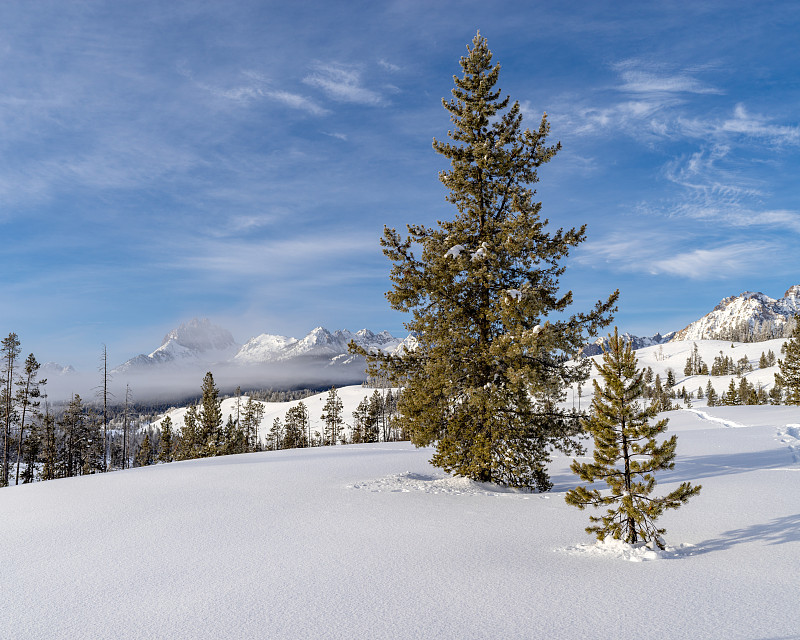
[333, 417]
[492, 328]
[626, 454]
[789, 367]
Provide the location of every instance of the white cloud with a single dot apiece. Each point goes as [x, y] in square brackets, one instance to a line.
[719, 262]
[741, 124]
[259, 87]
[286, 257]
[389, 66]
[343, 84]
[659, 253]
[653, 79]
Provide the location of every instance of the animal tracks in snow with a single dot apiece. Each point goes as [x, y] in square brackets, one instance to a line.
[730, 424]
[790, 436]
[430, 483]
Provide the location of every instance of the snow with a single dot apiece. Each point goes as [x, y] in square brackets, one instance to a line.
[371, 541]
[673, 355]
[455, 251]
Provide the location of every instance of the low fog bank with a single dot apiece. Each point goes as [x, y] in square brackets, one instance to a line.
[173, 384]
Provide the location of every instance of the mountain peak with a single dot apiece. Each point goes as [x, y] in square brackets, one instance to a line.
[750, 314]
[200, 335]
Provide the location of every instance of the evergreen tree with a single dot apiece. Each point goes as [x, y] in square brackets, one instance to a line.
[492, 361]
[776, 394]
[626, 454]
[27, 397]
[731, 396]
[9, 352]
[253, 414]
[144, 457]
[49, 448]
[189, 445]
[165, 452]
[763, 362]
[332, 417]
[789, 368]
[276, 434]
[360, 418]
[31, 447]
[296, 427]
[209, 418]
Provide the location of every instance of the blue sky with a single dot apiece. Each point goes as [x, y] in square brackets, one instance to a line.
[238, 161]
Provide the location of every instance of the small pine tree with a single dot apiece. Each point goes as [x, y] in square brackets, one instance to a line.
[144, 457]
[626, 454]
[165, 453]
[209, 417]
[296, 427]
[731, 397]
[276, 434]
[332, 417]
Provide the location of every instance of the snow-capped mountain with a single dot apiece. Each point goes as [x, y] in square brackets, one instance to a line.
[199, 343]
[597, 347]
[319, 343]
[750, 315]
[194, 342]
[53, 369]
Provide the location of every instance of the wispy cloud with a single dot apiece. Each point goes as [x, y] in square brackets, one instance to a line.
[342, 83]
[258, 87]
[389, 66]
[741, 124]
[715, 263]
[243, 257]
[641, 77]
[658, 253]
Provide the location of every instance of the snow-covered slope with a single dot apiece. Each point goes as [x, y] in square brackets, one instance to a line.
[370, 541]
[754, 312]
[673, 355]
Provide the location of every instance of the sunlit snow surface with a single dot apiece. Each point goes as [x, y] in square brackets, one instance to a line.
[370, 541]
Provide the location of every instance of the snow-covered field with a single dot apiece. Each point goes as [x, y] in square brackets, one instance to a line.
[370, 541]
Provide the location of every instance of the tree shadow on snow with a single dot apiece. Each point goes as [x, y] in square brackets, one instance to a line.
[778, 531]
[695, 468]
[689, 468]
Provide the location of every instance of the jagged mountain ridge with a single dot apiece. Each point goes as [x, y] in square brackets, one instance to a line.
[750, 316]
[200, 343]
[598, 346]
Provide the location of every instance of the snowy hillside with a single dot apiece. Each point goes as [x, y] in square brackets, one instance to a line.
[370, 541]
[350, 396]
[673, 355]
[755, 312]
